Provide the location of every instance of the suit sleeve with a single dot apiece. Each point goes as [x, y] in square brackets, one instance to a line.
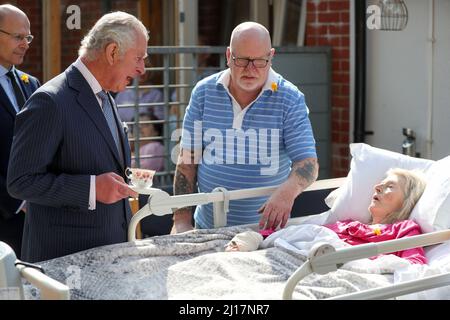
[32, 173]
[8, 205]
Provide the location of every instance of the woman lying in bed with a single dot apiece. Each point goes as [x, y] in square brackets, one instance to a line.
[392, 202]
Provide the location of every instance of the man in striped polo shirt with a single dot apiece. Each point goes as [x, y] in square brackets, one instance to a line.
[245, 127]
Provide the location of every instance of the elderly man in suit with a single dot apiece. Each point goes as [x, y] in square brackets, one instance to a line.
[70, 150]
[15, 88]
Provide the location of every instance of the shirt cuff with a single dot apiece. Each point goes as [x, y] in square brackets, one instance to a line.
[92, 194]
[21, 207]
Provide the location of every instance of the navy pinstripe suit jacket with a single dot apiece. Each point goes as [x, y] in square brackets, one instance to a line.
[9, 205]
[61, 137]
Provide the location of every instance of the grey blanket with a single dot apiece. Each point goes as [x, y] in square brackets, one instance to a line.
[194, 265]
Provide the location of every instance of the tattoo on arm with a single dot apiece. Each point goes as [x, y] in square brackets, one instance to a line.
[185, 179]
[182, 185]
[306, 171]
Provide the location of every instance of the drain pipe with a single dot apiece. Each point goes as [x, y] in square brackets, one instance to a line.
[430, 53]
[360, 72]
[352, 73]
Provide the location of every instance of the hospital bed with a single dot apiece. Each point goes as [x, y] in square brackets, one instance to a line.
[323, 258]
[174, 251]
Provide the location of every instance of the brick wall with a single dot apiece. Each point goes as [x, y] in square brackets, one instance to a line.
[328, 24]
[209, 26]
[33, 60]
[70, 39]
[91, 11]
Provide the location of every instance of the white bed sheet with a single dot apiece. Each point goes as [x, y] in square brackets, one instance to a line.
[438, 263]
[194, 266]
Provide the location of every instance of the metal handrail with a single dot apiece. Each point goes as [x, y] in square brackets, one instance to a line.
[160, 203]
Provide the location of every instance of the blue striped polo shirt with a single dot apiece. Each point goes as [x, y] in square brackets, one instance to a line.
[257, 152]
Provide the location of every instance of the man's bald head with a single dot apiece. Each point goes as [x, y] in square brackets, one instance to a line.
[15, 28]
[8, 10]
[250, 42]
[250, 30]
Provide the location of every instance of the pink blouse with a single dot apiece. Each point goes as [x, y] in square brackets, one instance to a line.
[154, 148]
[355, 232]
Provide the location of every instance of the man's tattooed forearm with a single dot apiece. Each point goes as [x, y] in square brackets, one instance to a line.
[307, 170]
[182, 184]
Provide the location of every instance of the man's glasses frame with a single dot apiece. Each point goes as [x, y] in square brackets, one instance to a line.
[19, 37]
[244, 62]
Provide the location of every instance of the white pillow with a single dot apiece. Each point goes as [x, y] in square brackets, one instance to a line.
[367, 168]
[332, 196]
[432, 211]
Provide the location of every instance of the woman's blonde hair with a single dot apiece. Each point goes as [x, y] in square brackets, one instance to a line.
[413, 186]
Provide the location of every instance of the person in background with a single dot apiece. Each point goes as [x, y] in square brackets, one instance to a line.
[392, 203]
[249, 98]
[70, 150]
[151, 152]
[15, 88]
[145, 96]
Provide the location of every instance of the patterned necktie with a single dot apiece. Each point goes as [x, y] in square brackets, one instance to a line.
[20, 98]
[109, 115]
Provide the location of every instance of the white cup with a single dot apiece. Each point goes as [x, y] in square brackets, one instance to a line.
[141, 178]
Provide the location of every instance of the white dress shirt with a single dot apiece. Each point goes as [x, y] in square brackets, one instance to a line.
[5, 82]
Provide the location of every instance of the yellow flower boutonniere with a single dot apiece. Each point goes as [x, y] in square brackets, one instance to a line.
[24, 78]
[274, 86]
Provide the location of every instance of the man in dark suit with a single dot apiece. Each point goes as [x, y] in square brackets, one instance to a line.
[15, 88]
[70, 150]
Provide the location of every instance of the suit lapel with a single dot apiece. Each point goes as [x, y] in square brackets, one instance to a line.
[123, 137]
[90, 105]
[26, 90]
[6, 103]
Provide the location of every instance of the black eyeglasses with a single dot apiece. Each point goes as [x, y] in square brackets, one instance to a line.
[19, 37]
[243, 62]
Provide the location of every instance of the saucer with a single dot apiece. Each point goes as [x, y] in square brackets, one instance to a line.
[143, 190]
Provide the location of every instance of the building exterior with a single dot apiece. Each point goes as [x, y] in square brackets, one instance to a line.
[192, 22]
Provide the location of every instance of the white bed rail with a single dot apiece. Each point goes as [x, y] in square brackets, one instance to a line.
[161, 203]
[399, 289]
[49, 288]
[11, 272]
[324, 258]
